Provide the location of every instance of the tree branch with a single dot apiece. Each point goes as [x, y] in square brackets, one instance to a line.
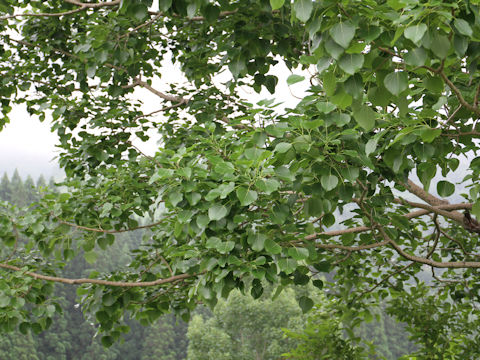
[418, 259]
[94, 5]
[99, 230]
[422, 194]
[426, 210]
[82, 7]
[98, 281]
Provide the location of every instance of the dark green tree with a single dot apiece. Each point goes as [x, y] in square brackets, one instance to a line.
[5, 190]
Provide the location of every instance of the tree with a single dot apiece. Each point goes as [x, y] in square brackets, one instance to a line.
[248, 328]
[322, 338]
[239, 190]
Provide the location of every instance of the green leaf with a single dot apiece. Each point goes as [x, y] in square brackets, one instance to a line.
[287, 265]
[108, 299]
[272, 247]
[217, 212]
[161, 174]
[424, 151]
[476, 209]
[298, 253]
[193, 198]
[463, 27]
[354, 86]
[107, 341]
[434, 84]
[165, 4]
[261, 260]
[329, 182]
[175, 197]
[276, 4]
[440, 46]
[342, 100]
[428, 134]
[267, 185]
[237, 66]
[283, 173]
[365, 117]
[415, 33]
[225, 247]
[226, 189]
[224, 167]
[246, 196]
[211, 13]
[426, 172]
[329, 83]
[323, 64]
[460, 44]
[253, 153]
[314, 206]
[293, 79]
[445, 188]
[90, 257]
[202, 221]
[396, 82]
[139, 11]
[370, 146]
[340, 119]
[333, 48]
[396, 4]
[303, 9]
[213, 242]
[416, 57]
[283, 147]
[4, 300]
[37, 228]
[350, 173]
[325, 107]
[351, 63]
[318, 284]
[342, 33]
[305, 304]
[256, 241]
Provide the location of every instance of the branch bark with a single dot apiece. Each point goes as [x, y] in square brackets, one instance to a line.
[98, 281]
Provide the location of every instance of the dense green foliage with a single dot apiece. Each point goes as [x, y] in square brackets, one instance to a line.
[240, 193]
[72, 336]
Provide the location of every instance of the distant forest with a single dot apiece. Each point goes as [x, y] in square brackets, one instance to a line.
[212, 334]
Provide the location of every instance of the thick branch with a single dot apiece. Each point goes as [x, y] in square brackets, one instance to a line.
[422, 194]
[442, 210]
[98, 281]
[159, 93]
[410, 215]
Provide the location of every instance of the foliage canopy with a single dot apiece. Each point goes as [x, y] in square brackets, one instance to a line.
[237, 193]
